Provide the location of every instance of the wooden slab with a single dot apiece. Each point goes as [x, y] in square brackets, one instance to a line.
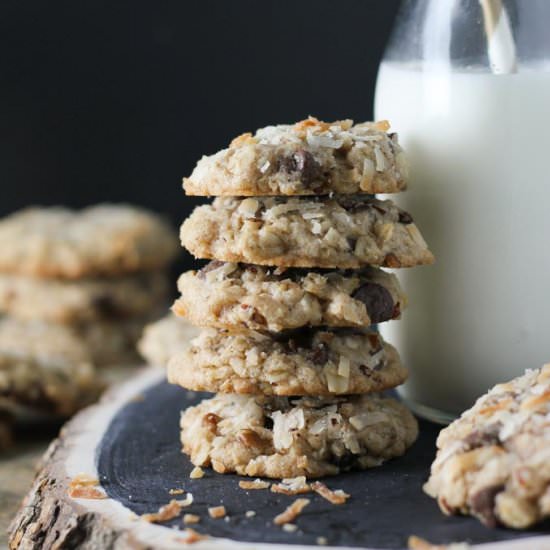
[130, 441]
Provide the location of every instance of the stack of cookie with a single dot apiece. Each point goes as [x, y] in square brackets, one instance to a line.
[76, 289]
[289, 297]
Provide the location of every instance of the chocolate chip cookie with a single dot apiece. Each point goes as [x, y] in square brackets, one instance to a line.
[46, 367]
[494, 461]
[164, 338]
[307, 158]
[300, 362]
[100, 240]
[83, 300]
[338, 232]
[229, 295]
[283, 437]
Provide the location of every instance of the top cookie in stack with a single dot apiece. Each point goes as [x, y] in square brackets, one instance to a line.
[294, 284]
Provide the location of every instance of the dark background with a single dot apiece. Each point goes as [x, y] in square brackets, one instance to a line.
[116, 100]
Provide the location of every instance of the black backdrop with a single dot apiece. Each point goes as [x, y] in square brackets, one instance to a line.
[110, 100]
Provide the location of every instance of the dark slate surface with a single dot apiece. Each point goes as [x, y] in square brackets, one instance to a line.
[139, 461]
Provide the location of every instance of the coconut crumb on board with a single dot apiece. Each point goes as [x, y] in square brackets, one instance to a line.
[292, 486]
[167, 512]
[196, 473]
[176, 491]
[86, 486]
[191, 518]
[334, 497]
[321, 541]
[250, 513]
[192, 537]
[292, 511]
[255, 484]
[217, 512]
[290, 527]
[417, 543]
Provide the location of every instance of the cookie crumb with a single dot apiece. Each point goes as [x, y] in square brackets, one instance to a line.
[187, 501]
[292, 486]
[85, 486]
[417, 543]
[216, 512]
[196, 473]
[176, 492]
[292, 511]
[334, 497]
[290, 527]
[193, 536]
[250, 513]
[321, 541]
[255, 484]
[165, 513]
[191, 518]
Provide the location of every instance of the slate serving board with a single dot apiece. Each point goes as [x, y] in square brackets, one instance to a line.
[130, 441]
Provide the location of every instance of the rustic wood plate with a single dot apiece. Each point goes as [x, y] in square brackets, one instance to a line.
[130, 441]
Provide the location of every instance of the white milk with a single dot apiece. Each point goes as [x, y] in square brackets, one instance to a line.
[481, 197]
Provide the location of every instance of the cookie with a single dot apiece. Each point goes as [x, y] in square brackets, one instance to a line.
[494, 461]
[302, 362]
[229, 295]
[82, 300]
[111, 343]
[100, 240]
[278, 437]
[45, 367]
[340, 232]
[162, 339]
[307, 158]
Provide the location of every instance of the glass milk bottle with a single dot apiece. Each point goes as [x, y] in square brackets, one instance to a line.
[466, 84]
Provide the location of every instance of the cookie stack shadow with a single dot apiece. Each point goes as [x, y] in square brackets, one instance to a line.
[288, 301]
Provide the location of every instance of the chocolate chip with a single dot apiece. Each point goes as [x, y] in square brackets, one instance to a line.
[106, 306]
[268, 422]
[319, 355]
[258, 318]
[210, 266]
[355, 203]
[485, 437]
[345, 462]
[391, 260]
[405, 217]
[377, 300]
[482, 504]
[351, 243]
[303, 163]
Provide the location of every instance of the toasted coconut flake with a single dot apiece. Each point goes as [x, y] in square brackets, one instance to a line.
[334, 497]
[165, 513]
[417, 543]
[250, 513]
[380, 159]
[196, 473]
[290, 527]
[187, 501]
[189, 519]
[193, 536]
[292, 512]
[292, 486]
[363, 420]
[217, 512]
[86, 486]
[243, 139]
[381, 125]
[265, 167]
[255, 484]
